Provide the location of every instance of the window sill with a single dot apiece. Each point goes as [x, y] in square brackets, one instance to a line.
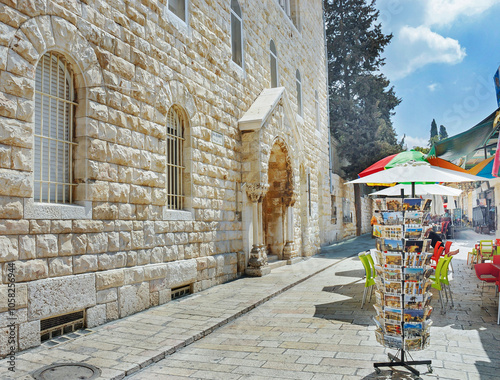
[177, 215]
[179, 23]
[38, 210]
[238, 70]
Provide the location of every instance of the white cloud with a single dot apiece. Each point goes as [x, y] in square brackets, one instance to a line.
[420, 46]
[433, 86]
[412, 142]
[445, 12]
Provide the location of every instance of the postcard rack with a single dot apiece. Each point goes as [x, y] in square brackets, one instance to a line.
[402, 283]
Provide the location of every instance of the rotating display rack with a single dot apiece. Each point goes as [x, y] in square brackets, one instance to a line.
[402, 283]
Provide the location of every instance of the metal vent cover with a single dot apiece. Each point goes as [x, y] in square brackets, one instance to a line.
[181, 291]
[61, 324]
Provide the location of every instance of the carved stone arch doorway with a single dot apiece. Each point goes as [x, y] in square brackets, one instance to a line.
[277, 208]
[271, 151]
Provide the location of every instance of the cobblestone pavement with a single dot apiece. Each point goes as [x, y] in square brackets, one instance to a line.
[125, 346]
[317, 330]
[300, 322]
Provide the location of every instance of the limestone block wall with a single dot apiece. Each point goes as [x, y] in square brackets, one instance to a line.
[366, 214]
[118, 248]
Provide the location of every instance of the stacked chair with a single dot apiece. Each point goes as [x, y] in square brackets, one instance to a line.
[441, 282]
[367, 261]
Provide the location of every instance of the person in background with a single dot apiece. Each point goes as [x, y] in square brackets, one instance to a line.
[374, 221]
[431, 234]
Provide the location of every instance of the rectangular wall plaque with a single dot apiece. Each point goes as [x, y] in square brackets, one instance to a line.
[217, 138]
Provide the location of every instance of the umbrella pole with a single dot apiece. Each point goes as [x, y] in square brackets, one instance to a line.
[413, 189]
[402, 193]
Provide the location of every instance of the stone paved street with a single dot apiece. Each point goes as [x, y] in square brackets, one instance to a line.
[313, 328]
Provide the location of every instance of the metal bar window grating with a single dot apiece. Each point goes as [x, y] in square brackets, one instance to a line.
[174, 159]
[53, 137]
[61, 324]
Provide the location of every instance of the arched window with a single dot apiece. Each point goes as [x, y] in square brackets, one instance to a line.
[236, 33]
[174, 158]
[299, 92]
[53, 137]
[316, 106]
[274, 64]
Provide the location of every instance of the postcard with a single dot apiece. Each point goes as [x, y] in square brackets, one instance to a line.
[393, 258]
[389, 245]
[412, 204]
[413, 315]
[392, 287]
[392, 274]
[414, 274]
[413, 344]
[393, 328]
[388, 232]
[413, 233]
[426, 206]
[391, 341]
[393, 301]
[380, 204]
[392, 217]
[393, 314]
[394, 204]
[412, 246]
[413, 217]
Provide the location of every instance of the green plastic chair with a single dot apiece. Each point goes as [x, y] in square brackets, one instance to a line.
[370, 275]
[436, 280]
[444, 278]
[486, 248]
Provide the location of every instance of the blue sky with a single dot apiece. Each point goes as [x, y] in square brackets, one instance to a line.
[441, 62]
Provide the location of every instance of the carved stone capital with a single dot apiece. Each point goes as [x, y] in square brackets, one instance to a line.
[289, 198]
[256, 191]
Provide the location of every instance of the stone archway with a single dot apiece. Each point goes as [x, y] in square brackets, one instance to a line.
[276, 201]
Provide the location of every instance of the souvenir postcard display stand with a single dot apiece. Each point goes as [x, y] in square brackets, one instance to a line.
[402, 295]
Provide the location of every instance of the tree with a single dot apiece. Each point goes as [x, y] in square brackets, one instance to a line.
[434, 133]
[442, 132]
[422, 149]
[361, 99]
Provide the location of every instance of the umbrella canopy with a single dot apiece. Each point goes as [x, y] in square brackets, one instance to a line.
[413, 172]
[484, 168]
[432, 189]
[436, 161]
[392, 161]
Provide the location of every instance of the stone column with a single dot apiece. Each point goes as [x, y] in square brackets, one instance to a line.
[257, 263]
[289, 249]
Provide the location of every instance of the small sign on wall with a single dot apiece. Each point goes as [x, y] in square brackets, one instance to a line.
[217, 138]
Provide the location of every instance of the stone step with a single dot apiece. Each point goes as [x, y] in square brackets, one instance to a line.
[274, 262]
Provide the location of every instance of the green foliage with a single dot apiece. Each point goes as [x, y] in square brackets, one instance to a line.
[443, 134]
[361, 99]
[434, 133]
[421, 149]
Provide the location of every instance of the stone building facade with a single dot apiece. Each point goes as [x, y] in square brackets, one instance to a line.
[156, 145]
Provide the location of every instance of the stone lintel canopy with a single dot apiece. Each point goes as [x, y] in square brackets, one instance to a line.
[261, 109]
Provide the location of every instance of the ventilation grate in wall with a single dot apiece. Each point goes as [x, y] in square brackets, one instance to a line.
[62, 324]
[181, 291]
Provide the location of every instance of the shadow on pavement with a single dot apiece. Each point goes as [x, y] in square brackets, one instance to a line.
[468, 329]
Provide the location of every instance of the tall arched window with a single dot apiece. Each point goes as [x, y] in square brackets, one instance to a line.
[236, 33]
[299, 92]
[274, 64]
[174, 158]
[53, 137]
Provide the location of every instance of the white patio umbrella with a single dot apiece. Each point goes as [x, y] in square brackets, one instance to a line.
[412, 172]
[431, 189]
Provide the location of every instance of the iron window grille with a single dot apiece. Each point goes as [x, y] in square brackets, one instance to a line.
[53, 137]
